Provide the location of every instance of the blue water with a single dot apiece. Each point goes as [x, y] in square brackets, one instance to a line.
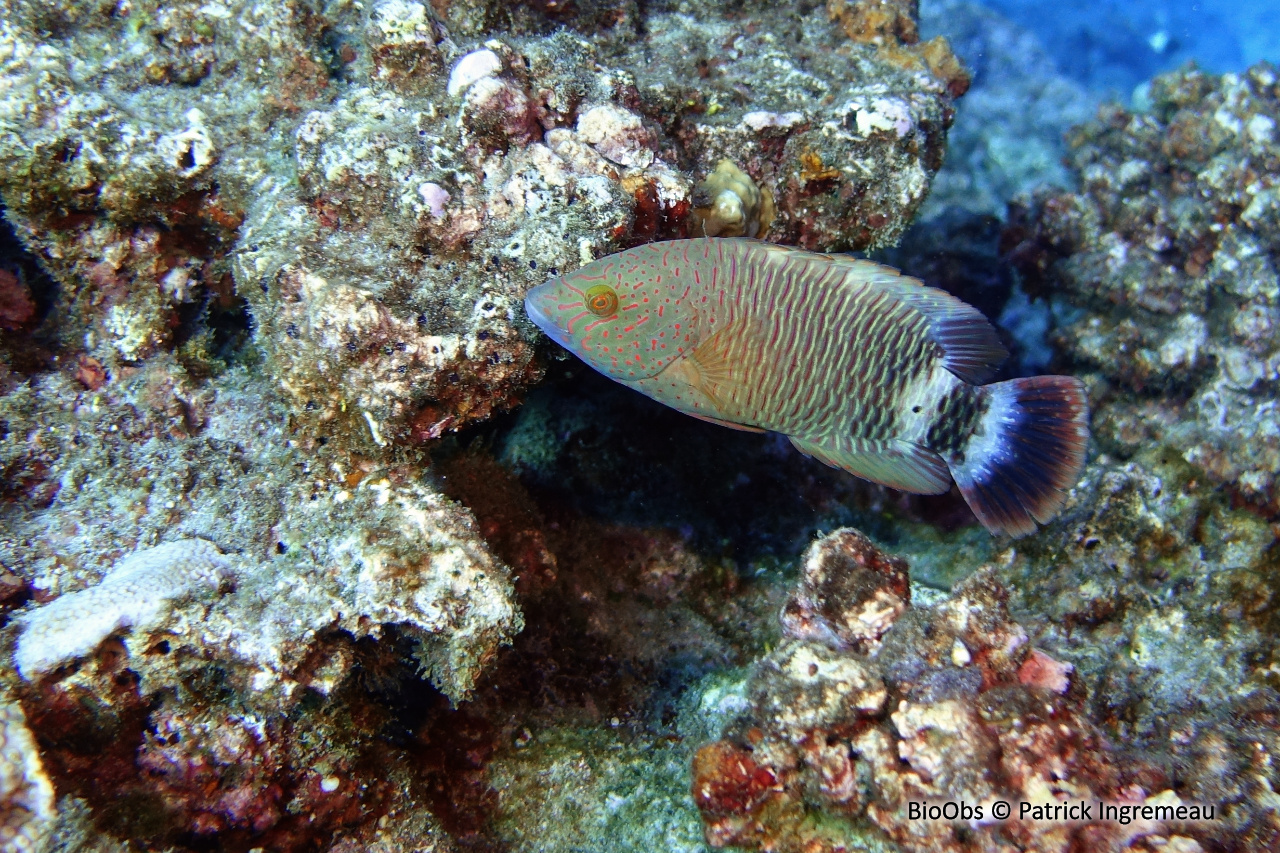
[1114, 47]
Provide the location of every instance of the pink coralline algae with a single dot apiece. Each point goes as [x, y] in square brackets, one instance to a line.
[951, 705]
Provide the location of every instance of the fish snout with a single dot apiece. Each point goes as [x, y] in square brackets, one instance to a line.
[535, 305]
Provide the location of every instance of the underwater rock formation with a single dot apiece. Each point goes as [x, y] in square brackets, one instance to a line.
[211, 688]
[382, 182]
[1163, 272]
[287, 245]
[954, 706]
[311, 542]
[1158, 582]
[289, 241]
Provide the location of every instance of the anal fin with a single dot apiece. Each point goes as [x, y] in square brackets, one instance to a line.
[899, 465]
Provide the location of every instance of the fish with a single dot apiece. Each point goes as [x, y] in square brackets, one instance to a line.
[860, 366]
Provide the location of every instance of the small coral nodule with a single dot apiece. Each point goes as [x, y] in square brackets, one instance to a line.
[727, 203]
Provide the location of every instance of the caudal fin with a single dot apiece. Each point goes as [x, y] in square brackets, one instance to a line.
[1026, 452]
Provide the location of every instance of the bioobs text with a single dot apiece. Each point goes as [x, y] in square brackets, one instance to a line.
[944, 811]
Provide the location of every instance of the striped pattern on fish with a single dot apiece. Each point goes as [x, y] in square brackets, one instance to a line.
[861, 367]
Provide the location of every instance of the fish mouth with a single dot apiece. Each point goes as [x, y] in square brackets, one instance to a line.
[542, 321]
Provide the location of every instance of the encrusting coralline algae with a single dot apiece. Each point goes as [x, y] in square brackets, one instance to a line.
[289, 243]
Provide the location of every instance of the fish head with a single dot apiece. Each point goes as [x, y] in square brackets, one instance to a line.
[617, 315]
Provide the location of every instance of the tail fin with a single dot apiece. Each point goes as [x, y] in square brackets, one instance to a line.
[1026, 452]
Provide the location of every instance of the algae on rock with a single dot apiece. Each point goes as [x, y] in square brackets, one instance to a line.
[382, 184]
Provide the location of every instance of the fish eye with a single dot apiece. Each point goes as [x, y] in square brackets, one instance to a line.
[601, 300]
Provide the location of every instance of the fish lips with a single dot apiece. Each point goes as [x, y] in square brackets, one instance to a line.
[540, 318]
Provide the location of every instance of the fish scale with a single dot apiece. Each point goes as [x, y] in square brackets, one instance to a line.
[861, 367]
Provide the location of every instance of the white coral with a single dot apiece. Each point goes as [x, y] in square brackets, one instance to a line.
[26, 796]
[618, 134]
[475, 66]
[136, 593]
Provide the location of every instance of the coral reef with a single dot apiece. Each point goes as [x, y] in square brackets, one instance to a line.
[1161, 595]
[260, 592]
[953, 706]
[1161, 268]
[285, 249]
[381, 184]
[355, 546]
[170, 681]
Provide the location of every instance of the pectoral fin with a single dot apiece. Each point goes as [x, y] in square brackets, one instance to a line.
[897, 464]
[721, 364]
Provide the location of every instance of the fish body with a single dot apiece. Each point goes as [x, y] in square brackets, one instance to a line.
[860, 366]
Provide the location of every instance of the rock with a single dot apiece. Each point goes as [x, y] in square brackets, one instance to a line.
[382, 235]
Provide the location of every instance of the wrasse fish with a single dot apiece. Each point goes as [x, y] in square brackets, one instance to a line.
[861, 367]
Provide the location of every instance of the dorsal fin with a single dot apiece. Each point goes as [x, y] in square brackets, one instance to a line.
[970, 343]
